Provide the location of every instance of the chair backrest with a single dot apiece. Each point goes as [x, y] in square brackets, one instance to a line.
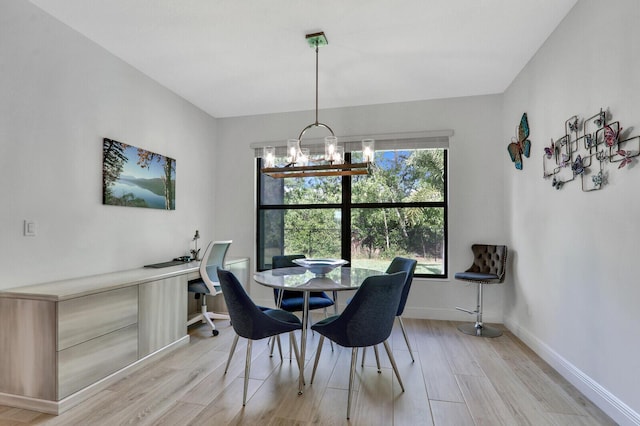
[368, 318]
[247, 319]
[285, 261]
[213, 258]
[489, 259]
[402, 264]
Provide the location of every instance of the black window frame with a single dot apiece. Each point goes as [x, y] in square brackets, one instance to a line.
[346, 205]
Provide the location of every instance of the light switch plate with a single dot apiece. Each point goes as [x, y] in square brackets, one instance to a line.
[30, 228]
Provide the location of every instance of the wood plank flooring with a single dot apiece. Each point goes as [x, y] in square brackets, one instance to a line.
[455, 380]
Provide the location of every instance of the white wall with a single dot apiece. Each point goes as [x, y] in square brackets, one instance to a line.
[475, 183]
[60, 94]
[575, 291]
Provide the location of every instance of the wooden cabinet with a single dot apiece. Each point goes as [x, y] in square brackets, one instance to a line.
[28, 348]
[97, 335]
[86, 363]
[162, 316]
[63, 341]
[84, 318]
[53, 349]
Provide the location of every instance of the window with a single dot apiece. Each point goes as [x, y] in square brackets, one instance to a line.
[399, 210]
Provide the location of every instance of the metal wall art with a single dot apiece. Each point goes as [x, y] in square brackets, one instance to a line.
[585, 149]
[520, 145]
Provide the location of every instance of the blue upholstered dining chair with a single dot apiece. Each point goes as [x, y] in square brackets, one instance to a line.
[212, 258]
[400, 264]
[366, 321]
[293, 301]
[252, 322]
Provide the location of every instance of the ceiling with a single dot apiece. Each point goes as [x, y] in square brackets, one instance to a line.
[246, 57]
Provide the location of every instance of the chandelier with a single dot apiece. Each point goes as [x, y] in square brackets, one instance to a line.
[298, 160]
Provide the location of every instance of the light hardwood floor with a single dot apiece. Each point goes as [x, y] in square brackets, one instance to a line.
[455, 380]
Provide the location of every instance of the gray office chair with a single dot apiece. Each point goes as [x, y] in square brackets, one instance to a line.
[212, 258]
[489, 267]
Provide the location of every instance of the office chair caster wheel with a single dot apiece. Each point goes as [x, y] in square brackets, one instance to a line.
[215, 332]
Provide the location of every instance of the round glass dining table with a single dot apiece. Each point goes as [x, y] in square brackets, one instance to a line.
[300, 279]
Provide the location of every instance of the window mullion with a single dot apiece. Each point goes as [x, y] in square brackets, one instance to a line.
[345, 214]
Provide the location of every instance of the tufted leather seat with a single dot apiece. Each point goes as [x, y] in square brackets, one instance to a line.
[489, 267]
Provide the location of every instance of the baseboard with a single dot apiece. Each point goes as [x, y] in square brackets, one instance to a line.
[443, 314]
[605, 400]
[448, 314]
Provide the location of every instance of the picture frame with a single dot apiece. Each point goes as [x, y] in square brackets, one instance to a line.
[136, 177]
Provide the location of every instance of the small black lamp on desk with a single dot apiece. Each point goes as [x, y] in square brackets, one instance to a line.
[196, 251]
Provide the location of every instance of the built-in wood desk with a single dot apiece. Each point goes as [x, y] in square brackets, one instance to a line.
[63, 341]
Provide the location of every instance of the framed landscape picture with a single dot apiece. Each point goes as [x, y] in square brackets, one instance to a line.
[135, 177]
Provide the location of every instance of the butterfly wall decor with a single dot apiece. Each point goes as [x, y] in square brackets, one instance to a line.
[578, 166]
[627, 157]
[582, 154]
[611, 136]
[520, 144]
[549, 151]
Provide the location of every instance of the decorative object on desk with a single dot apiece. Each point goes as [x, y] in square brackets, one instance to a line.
[520, 145]
[195, 251]
[586, 147]
[320, 267]
[135, 177]
[333, 164]
[175, 262]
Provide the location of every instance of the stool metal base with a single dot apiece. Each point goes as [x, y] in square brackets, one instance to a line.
[480, 330]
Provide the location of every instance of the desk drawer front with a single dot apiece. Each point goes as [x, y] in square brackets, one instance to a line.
[88, 317]
[88, 362]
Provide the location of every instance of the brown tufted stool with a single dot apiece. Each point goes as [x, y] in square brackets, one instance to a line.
[489, 264]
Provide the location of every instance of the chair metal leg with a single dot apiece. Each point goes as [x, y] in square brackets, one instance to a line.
[247, 368]
[280, 347]
[272, 343]
[233, 349]
[352, 373]
[478, 329]
[327, 316]
[393, 363]
[315, 364]
[289, 350]
[375, 350]
[406, 338]
[292, 338]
